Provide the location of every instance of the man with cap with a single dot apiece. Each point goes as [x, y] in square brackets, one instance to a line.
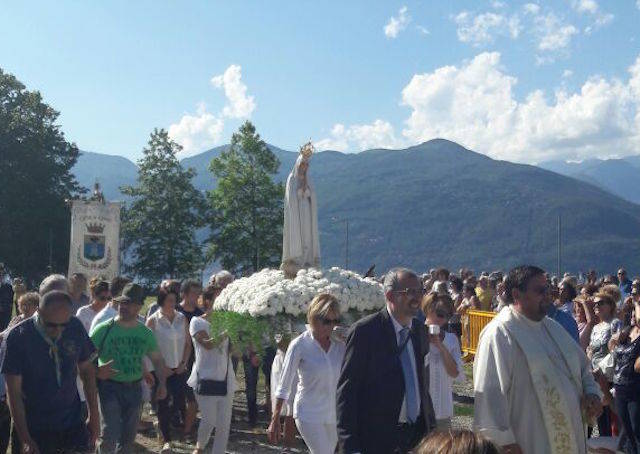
[123, 342]
[44, 354]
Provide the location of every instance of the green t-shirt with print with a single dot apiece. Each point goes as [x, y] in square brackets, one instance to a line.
[126, 346]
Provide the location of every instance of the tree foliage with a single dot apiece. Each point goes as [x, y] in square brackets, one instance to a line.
[160, 223]
[35, 180]
[247, 205]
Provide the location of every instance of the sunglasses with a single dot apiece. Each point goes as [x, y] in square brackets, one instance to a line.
[55, 325]
[541, 290]
[330, 321]
[442, 314]
[413, 292]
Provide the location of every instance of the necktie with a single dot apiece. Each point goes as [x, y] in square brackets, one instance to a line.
[409, 383]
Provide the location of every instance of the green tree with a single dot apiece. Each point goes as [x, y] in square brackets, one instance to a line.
[159, 225]
[247, 205]
[35, 180]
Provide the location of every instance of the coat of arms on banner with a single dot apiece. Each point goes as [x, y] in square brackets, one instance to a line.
[94, 242]
[95, 238]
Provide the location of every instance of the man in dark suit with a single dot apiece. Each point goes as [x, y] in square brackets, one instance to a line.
[383, 400]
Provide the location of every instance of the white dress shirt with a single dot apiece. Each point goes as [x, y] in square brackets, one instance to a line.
[398, 328]
[318, 372]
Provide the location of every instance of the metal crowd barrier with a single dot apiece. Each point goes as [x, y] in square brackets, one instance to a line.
[472, 324]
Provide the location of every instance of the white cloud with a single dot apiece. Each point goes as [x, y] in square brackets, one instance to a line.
[474, 104]
[552, 33]
[239, 105]
[638, 4]
[532, 8]
[567, 73]
[592, 8]
[483, 28]
[379, 134]
[426, 31]
[197, 132]
[397, 24]
[495, 4]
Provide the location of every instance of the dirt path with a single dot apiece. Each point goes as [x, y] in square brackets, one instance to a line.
[244, 439]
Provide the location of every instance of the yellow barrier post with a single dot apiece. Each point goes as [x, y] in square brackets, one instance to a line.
[472, 325]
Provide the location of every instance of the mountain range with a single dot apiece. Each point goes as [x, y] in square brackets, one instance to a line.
[439, 204]
[617, 176]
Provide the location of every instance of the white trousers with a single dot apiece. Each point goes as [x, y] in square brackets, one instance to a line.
[320, 438]
[215, 412]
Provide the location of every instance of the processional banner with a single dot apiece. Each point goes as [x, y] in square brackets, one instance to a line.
[95, 239]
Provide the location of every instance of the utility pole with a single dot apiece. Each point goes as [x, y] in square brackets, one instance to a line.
[559, 246]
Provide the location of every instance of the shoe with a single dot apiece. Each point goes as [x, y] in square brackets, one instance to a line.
[166, 449]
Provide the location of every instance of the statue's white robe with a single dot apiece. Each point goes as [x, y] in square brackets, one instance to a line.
[529, 380]
[300, 240]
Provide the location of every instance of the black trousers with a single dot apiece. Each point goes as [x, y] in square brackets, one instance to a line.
[251, 388]
[5, 426]
[171, 405]
[73, 440]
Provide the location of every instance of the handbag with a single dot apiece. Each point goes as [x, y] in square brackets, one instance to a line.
[208, 387]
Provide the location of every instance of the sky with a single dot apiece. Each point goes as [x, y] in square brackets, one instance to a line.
[520, 81]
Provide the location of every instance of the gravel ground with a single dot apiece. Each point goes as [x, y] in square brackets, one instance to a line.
[244, 439]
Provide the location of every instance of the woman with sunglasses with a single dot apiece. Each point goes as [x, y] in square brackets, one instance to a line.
[444, 358]
[100, 296]
[315, 358]
[598, 352]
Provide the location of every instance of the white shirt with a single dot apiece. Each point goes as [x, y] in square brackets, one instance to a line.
[86, 315]
[318, 372]
[398, 328]
[105, 314]
[276, 378]
[210, 364]
[440, 382]
[171, 337]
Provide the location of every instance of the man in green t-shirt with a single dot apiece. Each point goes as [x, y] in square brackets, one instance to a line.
[122, 343]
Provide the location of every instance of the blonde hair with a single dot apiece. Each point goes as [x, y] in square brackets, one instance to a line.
[321, 305]
[456, 442]
[31, 298]
[612, 290]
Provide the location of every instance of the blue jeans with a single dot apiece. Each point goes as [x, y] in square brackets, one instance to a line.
[120, 406]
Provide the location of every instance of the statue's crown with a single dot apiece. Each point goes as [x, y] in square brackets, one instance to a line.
[307, 150]
[95, 228]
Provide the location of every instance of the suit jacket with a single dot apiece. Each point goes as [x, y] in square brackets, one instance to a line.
[371, 386]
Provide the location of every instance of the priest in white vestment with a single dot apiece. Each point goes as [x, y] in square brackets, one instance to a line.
[300, 241]
[534, 388]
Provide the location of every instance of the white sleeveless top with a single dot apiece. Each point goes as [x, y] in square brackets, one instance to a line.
[171, 337]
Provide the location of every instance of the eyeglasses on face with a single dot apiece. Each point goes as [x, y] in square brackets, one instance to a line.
[412, 292]
[442, 314]
[55, 325]
[330, 321]
[541, 290]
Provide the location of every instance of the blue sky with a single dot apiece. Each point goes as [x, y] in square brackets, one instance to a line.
[522, 81]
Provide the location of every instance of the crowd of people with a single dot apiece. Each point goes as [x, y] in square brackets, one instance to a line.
[560, 355]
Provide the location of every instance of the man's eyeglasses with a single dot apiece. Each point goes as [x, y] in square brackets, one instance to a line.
[330, 321]
[412, 292]
[541, 290]
[442, 314]
[55, 325]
